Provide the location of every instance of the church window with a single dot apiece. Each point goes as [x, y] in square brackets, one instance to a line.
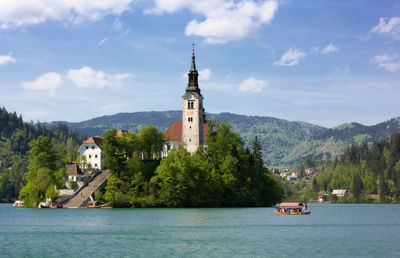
[90, 156]
[190, 104]
[92, 147]
[95, 165]
[190, 119]
[87, 147]
[95, 156]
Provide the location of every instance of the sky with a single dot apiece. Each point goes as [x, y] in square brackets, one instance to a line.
[326, 62]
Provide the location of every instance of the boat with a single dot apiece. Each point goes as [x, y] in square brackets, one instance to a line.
[45, 204]
[92, 204]
[18, 204]
[58, 204]
[291, 208]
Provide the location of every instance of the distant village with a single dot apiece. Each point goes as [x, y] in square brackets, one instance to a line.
[309, 174]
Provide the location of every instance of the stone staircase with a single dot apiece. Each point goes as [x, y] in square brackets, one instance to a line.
[83, 196]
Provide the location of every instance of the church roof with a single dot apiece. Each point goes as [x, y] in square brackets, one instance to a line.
[94, 140]
[174, 132]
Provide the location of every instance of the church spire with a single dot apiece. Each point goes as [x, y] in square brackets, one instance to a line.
[193, 77]
[193, 68]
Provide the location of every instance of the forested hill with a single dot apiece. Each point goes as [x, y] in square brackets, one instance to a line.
[333, 142]
[278, 137]
[15, 135]
[284, 142]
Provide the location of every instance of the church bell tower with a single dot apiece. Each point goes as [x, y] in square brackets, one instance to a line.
[193, 114]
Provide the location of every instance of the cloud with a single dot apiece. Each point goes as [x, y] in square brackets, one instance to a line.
[387, 62]
[30, 12]
[224, 20]
[252, 85]
[386, 26]
[205, 74]
[48, 81]
[329, 49]
[117, 25]
[6, 59]
[291, 57]
[86, 77]
[101, 42]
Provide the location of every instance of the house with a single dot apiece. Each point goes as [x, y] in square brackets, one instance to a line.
[309, 171]
[191, 131]
[121, 132]
[292, 177]
[339, 193]
[322, 196]
[91, 149]
[74, 172]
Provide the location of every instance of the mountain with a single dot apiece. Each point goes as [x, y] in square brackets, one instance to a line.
[284, 142]
[277, 136]
[332, 142]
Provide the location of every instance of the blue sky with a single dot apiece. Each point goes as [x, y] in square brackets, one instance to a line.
[324, 62]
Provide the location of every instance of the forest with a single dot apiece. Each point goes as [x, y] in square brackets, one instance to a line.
[370, 173]
[15, 136]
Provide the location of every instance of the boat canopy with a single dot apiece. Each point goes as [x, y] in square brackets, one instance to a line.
[290, 204]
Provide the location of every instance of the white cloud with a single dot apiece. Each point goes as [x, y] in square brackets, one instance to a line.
[205, 74]
[387, 25]
[387, 62]
[101, 42]
[117, 25]
[329, 49]
[30, 12]
[252, 85]
[224, 20]
[291, 57]
[86, 77]
[48, 81]
[6, 59]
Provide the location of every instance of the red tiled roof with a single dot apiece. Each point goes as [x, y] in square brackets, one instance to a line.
[96, 140]
[73, 168]
[120, 132]
[174, 132]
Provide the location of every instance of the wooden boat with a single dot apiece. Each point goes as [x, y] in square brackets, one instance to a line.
[291, 208]
[92, 204]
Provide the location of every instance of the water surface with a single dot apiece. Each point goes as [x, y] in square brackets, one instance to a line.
[332, 230]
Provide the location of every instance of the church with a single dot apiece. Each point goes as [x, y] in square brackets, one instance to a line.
[191, 131]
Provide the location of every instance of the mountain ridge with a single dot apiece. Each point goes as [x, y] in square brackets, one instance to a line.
[284, 142]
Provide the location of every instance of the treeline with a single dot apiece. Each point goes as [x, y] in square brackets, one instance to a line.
[222, 173]
[15, 136]
[364, 171]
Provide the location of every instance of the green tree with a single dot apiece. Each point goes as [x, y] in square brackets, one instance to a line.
[356, 187]
[44, 163]
[151, 141]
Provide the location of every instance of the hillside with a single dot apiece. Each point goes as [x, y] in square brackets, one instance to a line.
[333, 142]
[278, 136]
[284, 142]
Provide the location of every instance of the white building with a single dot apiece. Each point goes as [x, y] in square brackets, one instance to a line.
[91, 149]
[191, 131]
[339, 193]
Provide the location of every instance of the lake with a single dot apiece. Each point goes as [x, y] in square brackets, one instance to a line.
[332, 230]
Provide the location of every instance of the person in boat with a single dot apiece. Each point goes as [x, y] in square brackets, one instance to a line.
[305, 206]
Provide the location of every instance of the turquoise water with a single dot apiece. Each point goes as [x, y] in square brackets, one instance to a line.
[332, 230]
